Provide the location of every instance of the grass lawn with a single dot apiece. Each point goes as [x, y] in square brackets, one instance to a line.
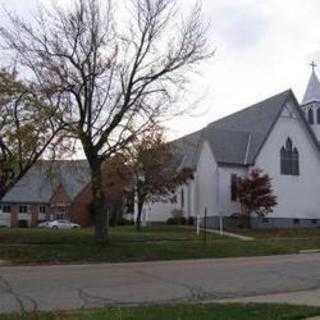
[183, 312]
[36, 246]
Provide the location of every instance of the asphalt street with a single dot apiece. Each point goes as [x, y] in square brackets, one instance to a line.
[293, 278]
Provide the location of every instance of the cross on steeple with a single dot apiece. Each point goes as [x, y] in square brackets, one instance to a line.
[313, 65]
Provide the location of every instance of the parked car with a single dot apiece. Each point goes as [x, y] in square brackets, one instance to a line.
[59, 225]
[43, 224]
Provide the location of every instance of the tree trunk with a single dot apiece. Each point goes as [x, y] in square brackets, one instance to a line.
[244, 219]
[138, 221]
[99, 203]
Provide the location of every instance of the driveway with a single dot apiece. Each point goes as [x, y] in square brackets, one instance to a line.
[294, 278]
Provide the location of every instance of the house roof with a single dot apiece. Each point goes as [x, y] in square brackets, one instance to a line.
[185, 150]
[312, 93]
[235, 139]
[42, 180]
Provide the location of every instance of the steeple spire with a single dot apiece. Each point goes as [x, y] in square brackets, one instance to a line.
[312, 93]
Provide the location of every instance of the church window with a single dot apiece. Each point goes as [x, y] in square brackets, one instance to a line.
[295, 162]
[234, 187]
[318, 115]
[289, 159]
[182, 198]
[310, 116]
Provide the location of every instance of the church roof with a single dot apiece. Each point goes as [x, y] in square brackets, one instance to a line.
[41, 181]
[238, 138]
[312, 93]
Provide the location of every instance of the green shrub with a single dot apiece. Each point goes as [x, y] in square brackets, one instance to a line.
[125, 222]
[171, 221]
[190, 221]
[177, 217]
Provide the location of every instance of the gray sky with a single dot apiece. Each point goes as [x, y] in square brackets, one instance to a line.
[263, 47]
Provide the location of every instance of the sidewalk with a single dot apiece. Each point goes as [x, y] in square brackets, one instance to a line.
[230, 234]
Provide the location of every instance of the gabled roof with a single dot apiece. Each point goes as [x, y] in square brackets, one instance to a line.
[41, 181]
[185, 150]
[235, 139]
[312, 93]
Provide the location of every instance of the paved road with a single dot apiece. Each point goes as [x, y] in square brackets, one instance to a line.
[70, 287]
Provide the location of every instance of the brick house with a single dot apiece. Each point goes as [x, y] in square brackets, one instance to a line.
[50, 190]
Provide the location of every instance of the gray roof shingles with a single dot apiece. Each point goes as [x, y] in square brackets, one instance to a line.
[234, 140]
[41, 181]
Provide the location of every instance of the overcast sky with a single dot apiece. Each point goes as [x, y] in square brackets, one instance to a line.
[263, 47]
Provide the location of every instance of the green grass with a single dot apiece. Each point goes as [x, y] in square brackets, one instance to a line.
[183, 312]
[35, 246]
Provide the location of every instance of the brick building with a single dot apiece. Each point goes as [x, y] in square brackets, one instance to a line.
[50, 190]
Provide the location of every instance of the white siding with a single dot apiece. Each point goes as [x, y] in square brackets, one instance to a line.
[206, 182]
[161, 211]
[298, 196]
[227, 206]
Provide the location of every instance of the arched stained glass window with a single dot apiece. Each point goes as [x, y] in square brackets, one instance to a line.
[318, 115]
[289, 159]
[310, 116]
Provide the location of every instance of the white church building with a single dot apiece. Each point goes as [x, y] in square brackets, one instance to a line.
[279, 136]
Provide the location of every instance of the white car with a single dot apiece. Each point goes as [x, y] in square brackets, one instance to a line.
[59, 225]
[44, 224]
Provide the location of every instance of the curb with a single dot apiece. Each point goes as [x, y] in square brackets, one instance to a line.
[309, 251]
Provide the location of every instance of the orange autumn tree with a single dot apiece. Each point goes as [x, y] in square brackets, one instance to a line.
[156, 176]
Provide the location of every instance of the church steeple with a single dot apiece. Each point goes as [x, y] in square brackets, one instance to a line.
[311, 102]
[312, 93]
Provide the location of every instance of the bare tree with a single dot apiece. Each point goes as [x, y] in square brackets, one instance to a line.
[112, 73]
[27, 129]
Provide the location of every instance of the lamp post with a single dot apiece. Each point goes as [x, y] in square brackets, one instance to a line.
[140, 180]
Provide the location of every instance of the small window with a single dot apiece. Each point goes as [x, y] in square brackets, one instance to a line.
[23, 209]
[60, 216]
[314, 221]
[182, 198]
[310, 116]
[6, 209]
[265, 220]
[234, 187]
[296, 221]
[42, 209]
